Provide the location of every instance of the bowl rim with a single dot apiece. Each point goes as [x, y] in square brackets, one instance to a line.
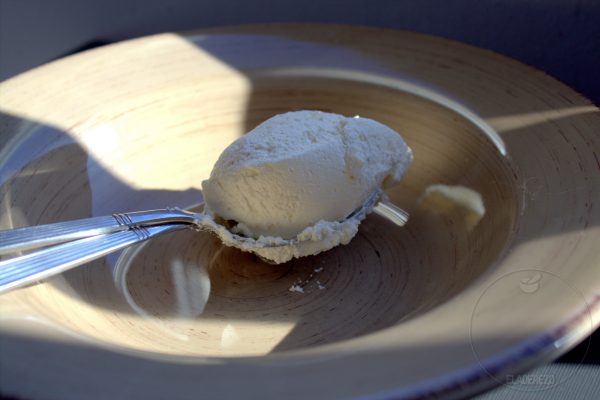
[542, 347]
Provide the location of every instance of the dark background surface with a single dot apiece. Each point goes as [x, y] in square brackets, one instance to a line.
[560, 37]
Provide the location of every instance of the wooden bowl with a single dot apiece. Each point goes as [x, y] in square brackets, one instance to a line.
[441, 307]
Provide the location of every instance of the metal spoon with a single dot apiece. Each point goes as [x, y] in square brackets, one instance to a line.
[73, 243]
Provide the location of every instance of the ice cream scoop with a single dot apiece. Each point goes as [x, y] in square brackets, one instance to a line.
[300, 175]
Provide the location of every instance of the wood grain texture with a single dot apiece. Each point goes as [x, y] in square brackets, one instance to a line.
[139, 124]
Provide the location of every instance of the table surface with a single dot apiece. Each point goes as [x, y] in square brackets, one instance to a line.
[575, 375]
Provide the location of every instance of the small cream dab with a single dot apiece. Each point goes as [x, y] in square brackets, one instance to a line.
[458, 201]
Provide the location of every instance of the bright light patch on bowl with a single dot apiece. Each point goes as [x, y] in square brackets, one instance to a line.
[102, 141]
[192, 288]
[523, 120]
[143, 132]
[229, 337]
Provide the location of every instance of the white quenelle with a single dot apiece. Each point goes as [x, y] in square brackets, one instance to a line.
[298, 174]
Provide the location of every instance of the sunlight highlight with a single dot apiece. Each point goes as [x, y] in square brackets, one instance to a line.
[139, 112]
[517, 121]
[192, 288]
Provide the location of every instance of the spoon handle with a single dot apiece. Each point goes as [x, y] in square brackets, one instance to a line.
[44, 263]
[33, 237]
[392, 212]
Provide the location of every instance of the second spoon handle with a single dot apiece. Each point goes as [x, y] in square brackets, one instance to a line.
[45, 235]
[32, 267]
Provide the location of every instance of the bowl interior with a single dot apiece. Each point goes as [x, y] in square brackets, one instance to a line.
[185, 293]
